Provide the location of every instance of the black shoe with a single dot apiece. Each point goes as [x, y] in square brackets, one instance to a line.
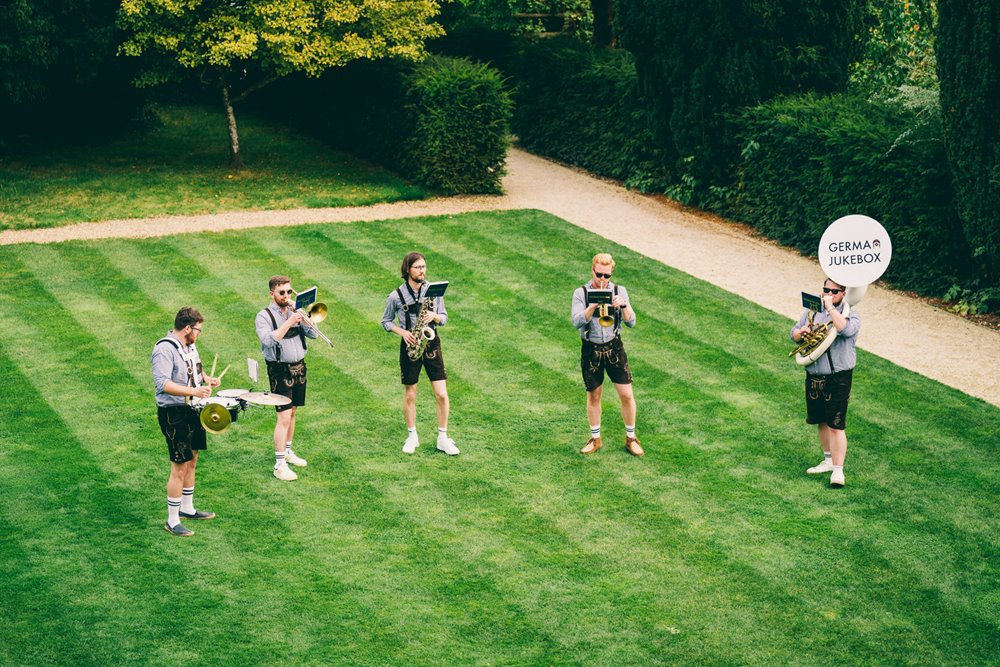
[179, 530]
[198, 514]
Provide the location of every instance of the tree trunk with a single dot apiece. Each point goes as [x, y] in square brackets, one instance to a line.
[235, 157]
[604, 18]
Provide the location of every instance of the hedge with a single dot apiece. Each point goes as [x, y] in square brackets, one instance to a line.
[443, 122]
[582, 106]
[811, 159]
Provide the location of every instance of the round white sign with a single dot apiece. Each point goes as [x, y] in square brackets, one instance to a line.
[855, 250]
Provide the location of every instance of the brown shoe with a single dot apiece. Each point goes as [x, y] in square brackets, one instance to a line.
[633, 447]
[592, 446]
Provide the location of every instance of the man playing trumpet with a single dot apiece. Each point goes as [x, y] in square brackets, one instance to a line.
[404, 305]
[602, 350]
[828, 380]
[282, 336]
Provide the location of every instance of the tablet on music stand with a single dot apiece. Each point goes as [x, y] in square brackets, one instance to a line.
[599, 296]
[435, 290]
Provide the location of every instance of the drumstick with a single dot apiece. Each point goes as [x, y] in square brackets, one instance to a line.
[211, 373]
[221, 374]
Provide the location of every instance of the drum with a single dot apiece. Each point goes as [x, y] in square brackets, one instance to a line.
[231, 404]
[232, 393]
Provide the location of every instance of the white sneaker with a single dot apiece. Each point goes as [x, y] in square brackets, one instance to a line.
[825, 466]
[447, 445]
[290, 457]
[837, 478]
[410, 445]
[283, 473]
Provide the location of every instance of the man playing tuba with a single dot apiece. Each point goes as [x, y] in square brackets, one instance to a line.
[828, 380]
[407, 305]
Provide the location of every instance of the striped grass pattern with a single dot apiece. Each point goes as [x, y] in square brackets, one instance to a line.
[715, 548]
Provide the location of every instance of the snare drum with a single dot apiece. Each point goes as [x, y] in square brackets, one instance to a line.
[232, 393]
[231, 404]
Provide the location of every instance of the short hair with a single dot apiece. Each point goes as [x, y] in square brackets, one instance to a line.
[186, 317]
[277, 280]
[603, 258]
[408, 262]
[831, 280]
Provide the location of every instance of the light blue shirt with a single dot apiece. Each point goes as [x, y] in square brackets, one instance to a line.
[394, 308]
[598, 334]
[842, 350]
[170, 364]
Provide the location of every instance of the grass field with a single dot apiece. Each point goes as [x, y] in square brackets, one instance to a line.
[179, 166]
[715, 548]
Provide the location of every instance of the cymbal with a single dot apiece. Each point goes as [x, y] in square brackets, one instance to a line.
[265, 398]
[232, 393]
[215, 418]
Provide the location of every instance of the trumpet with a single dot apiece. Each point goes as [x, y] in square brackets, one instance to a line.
[605, 318]
[317, 313]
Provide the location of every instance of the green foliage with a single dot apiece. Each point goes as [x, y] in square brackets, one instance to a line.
[699, 62]
[811, 159]
[898, 47]
[442, 122]
[533, 16]
[59, 78]
[582, 106]
[711, 550]
[968, 56]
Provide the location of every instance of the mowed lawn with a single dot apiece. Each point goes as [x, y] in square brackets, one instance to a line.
[716, 548]
[179, 165]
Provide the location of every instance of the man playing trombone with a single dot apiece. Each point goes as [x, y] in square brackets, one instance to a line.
[282, 334]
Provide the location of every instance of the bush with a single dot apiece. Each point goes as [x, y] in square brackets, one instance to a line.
[810, 159]
[443, 123]
[582, 106]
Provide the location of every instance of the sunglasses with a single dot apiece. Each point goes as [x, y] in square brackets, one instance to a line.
[283, 292]
[832, 290]
[602, 275]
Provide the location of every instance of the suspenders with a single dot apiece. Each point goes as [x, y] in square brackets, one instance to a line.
[406, 306]
[188, 358]
[277, 345]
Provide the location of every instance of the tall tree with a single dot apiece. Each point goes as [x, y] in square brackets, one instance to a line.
[968, 59]
[240, 46]
[699, 61]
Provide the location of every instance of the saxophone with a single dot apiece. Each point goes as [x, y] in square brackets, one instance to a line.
[423, 333]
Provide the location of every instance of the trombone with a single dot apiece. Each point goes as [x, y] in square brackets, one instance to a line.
[317, 313]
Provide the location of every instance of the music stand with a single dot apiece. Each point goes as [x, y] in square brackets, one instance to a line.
[812, 302]
[435, 290]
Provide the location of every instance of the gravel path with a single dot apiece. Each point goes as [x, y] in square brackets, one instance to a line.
[902, 329]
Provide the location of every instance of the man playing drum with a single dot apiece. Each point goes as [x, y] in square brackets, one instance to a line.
[602, 350]
[828, 380]
[283, 341]
[177, 374]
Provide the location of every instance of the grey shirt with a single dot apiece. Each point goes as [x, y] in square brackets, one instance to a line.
[394, 308]
[290, 347]
[598, 334]
[842, 350]
[169, 363]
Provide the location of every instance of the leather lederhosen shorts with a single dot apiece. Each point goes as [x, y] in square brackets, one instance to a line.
[596, 358]
[183, 430]
[288, 379]
[432, 361]
[827, 397]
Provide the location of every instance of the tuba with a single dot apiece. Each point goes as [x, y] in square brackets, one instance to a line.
[422, 332]
[854, 251]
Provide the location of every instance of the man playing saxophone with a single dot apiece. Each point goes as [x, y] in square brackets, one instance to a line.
[828, 380]
[419, 347]
[602, 350]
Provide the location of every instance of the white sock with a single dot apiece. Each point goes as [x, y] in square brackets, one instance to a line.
[442, 434]
[827, 456]
[288, 447]
[630, 430]
[411, 431]
[187, 500]
[173, 511]
[838, 468]
[279, 459]
[595, 431]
